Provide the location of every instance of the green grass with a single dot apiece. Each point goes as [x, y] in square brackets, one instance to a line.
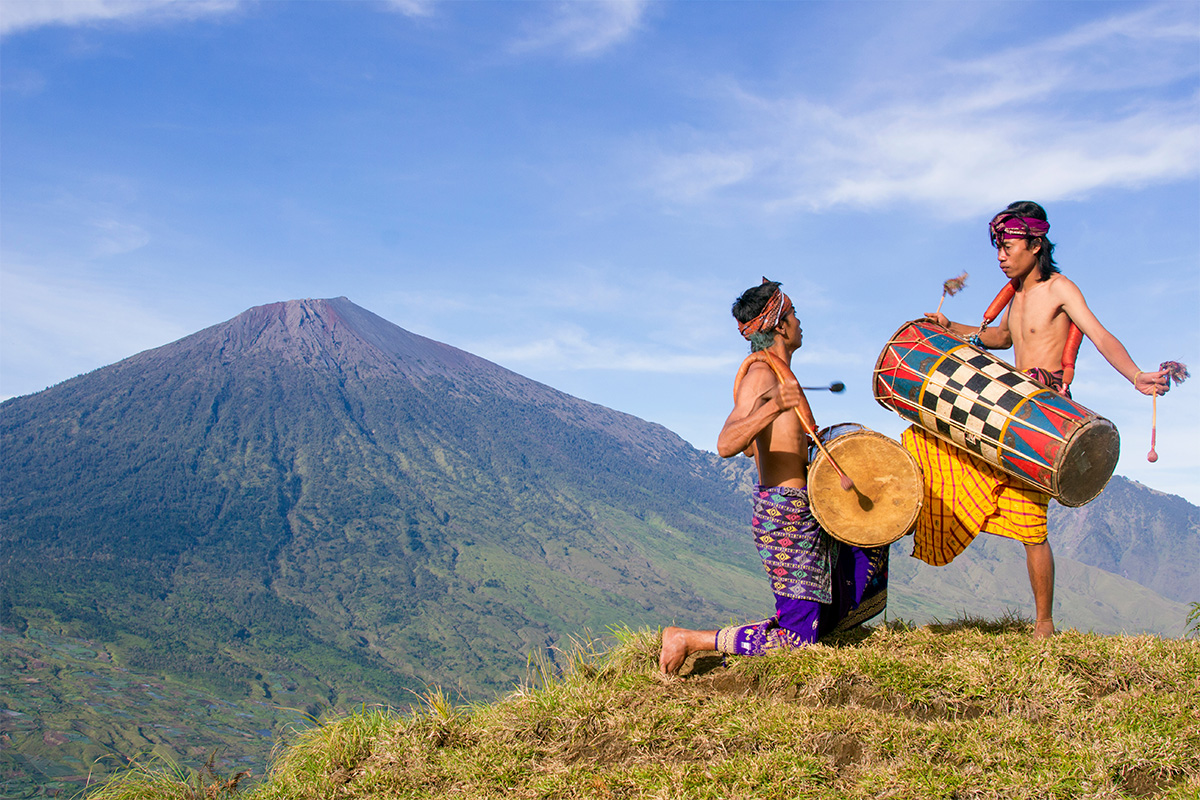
[968, 709]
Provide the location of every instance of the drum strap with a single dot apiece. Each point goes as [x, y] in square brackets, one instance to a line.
[1070, 348]
[784, 373]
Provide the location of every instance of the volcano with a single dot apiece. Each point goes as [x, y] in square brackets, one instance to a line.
[308, 488]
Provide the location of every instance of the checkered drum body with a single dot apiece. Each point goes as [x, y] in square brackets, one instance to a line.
[984, 406]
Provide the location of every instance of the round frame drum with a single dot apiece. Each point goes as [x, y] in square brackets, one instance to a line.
[983, 405]
[888, 488]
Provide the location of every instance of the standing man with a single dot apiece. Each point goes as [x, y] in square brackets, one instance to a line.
[819, 583]
[983, 499]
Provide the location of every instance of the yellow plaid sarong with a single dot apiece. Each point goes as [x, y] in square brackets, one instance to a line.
[965, 496]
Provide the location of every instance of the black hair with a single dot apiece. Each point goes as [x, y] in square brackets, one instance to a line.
[749, 305]
[1028, 208]
[752, 301]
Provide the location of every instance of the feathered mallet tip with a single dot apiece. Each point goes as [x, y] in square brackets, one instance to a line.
[954, 285]
[1176, 371]
[951, 287]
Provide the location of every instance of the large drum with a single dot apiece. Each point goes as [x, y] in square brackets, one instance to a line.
[984, 406]
[888, 487]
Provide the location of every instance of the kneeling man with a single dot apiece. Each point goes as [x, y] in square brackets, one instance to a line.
[819, 583]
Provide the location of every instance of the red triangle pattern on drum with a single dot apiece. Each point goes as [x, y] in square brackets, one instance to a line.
[1038, 473]
[1038, 441]
[1063, 413]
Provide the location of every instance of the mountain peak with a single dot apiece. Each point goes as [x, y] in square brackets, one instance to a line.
[336, 337]
[329, 333]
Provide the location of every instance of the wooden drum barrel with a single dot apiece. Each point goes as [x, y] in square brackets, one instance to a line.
[986, 407]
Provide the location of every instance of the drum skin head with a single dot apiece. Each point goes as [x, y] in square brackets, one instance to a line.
[887, 495]
[1087, 467]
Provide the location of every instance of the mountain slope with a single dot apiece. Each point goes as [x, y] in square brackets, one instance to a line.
[308, 482]
[1130, 530]
[990, 578]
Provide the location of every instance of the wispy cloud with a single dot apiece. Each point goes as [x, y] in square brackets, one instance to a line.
[412, 8]
[19, 15]
[652, 322]
[584, 28]
[113, 237]
[1110, 104]
[572, 347]
[58, 325]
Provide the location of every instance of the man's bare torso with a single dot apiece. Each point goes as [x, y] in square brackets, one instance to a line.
[1038, 325]
[781, 450]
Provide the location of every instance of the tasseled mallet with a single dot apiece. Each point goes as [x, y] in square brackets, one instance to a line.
[1177, 372]
[951, 287]
[1153, 456]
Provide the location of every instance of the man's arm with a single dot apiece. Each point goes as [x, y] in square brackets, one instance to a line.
[760, 399]
[1072, 302]
[997, 338]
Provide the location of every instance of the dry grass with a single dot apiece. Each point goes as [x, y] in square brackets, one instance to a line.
[968, 709]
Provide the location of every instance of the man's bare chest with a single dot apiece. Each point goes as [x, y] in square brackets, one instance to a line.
[1036, 316]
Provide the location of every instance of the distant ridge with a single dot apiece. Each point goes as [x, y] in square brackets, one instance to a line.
[1131, 530]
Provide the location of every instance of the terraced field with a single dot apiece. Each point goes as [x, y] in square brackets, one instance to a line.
[66, 711]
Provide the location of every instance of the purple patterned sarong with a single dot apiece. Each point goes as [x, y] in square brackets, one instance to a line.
[796, 553]
[820, 584]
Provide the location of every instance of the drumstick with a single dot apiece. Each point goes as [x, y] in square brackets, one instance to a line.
[784, 374]
[1153, 456]
[836, 387]
[1177, 372]
[951, 287]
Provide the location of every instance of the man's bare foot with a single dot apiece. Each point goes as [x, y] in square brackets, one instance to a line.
[674, 650]
[1043, 628]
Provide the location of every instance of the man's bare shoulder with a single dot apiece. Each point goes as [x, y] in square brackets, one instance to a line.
[758, 379]
[1060, 285]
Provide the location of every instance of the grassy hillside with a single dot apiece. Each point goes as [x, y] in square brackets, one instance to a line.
[966, 710]
[69, 714]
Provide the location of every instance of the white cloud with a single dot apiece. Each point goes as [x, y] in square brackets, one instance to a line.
[113, 237]
[58, 326]
[584, 28]
[412, 8]
[600, 318]
[573, 347]
[1112, 103]
[18, 15]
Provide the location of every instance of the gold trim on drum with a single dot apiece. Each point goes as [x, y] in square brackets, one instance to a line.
[988, 408]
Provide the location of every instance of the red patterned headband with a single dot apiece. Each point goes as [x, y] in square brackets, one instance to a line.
[1004, 227]
[776, 309]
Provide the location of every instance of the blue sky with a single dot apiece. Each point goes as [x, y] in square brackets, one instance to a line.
[578, 191]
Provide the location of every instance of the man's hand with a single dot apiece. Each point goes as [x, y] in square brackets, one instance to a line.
[938, 318]
[1152, 383]
[787, 395]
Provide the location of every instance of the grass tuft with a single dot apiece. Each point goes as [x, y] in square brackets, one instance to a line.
[970, 708]
[160, 778]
